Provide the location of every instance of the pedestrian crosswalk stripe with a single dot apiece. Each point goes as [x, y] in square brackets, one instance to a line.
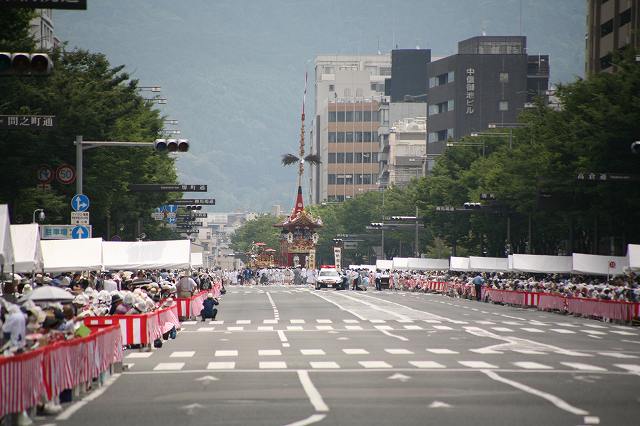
[398, 351]
[432, 321]
[324, 364]
[442, 351]
[377, 321]
[413, 327]
[405, 321]
[426, 364]
[269, 352]
[324, 327]
[312, 352]
[167, 366]
[272, 364]
[532, 330]
[442, 327]
[532, 365]
[297, 321]
[595, 332]
[206, 328]
[562, 331]
[485, 351]
[230, 365]
[624, 333]
[226, 353]
[243, 322]
[616, 355]
[374, 364]
[581, 366]
[503, 329]
[355, 351]
[265, 328]
[594, 326]
[189, 322]
[566, 324]
[511, 323]
[383, 327]
[477, 364]
[350, 321]
[295, 328]
[218, 322]
[630, 367]
[485, 322]
[182, 354]
[270, 321]
[235, 328]
[353, 327]
[139, 355]
[324, 321]
[528, 352]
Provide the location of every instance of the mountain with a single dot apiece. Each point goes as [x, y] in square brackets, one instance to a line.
[233, 70]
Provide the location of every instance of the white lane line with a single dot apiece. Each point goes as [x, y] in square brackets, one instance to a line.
[225, 353]
[442, 327]
[272, 365]
[503, 329]
[562, 331]
[139, 355]
[375, 307]
[164, 366]
[485, 322]
[270, 321]
[353, 327]
[632, 368]
[315, 418]
[350, 321]
[269, 352]
[583, 367]
[282, 336]
[532, 330]
[426, 364]
[312, 352]
[182, 354]
[241, 328]
[433, 316]
[379, 321]
[297, 321]
[188, 322]
[624, 333]
[217, 322]
[594, 326]
[383, 327]
[616, 355]
[595, 332]
[323, 364]
[442, 351]
[404, 339]
[265, 328]
[221, 365]
[312, 393]
[355, 351]
[477, 364]
[532, 365]
[73, 408]
[205, 329]
[338, 305]
[374, 364]
[413, 327]
[324, 327]
[528, 352]
[558, 402]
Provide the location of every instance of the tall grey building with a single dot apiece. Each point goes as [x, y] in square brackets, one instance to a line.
[42, 30]
[490, 80]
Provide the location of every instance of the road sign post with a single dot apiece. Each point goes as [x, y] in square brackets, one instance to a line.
[144, 187]
[80, 218]
[81, 232]
[195, 201]
[80, 203]
[65, 174]
[32, 122]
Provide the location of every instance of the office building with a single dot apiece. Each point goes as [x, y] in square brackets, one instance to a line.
[407, 151]
[490, 80]
[612, 25]
[348, 91]
[42, 30]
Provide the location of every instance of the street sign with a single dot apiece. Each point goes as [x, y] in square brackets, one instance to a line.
[350, 245]
[80, 203]
[26, 121]
[66, 174]
[157, 215]
[170, 208]
[193, 215]
[612, 264]
[171, 221]
[55, 232]
[160, 209]
[170, 215]
[46, 4]
[45, 174]
[152, 187]
[80, 232]
[80, 218]
[190, 201]
[189, 223]
[607, 177]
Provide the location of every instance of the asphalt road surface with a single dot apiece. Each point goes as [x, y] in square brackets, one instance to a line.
[294, 356]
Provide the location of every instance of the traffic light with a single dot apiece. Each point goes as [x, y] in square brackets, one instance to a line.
[183, 145]
[472, 206]
[376, 225]
[193, 207]
[25, 64]
[160, 145]
[171, 145]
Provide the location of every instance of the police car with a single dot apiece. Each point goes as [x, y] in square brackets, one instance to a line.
[328, 277]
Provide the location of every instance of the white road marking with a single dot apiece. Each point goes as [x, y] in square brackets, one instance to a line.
[353, 327]
[563, 405]
[532, 330]
[272, 365]
[413, 327]
[442, 327]
[355, 351]
[486, 351]
[243, 322]
[270, 321]
[485, 322]
[324, 321]
[630, 367]
[624, 333]
[217, 322]
[297, 321]
[442, 351]
[269, 352]
[182, 354]
[432, 321]
[566, 324]
[139, 355]
[594, 326]
[165, 366]
[282, 336]
[405, 321]
[295, 328]
[73, 408]
[312, 393]
[503, 329]
[350, 321]
[324, 327]
[189, 322]
[338, 305]
[528, 352]
[426, 364]
[584, 367]
[265, 328]
[323, 364]
[532, 365]
[383, 327]
[404, 339]
[511, 323]
[595, 332]
[374, 364]
[398, 351]
[591, 420]
[477, 364]
[221, 365]
[312, 352]
[235, 328]
[226, 353]
[562, 331]
[379, 321]
[205, 329]
[315, 418]
[617, 355]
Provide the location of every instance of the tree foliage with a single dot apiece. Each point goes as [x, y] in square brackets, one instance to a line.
[258, 230]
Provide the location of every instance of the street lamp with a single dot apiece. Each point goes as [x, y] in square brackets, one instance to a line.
[40, 213]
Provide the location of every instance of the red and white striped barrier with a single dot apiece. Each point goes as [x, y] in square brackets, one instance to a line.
[190, 307]
[140, 329]
[611, 309]
[169, 317]
[21, 381]
[531, 299]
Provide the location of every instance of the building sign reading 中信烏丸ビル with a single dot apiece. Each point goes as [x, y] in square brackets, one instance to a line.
[471, 90]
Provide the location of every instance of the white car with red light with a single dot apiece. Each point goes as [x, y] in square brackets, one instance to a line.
[329, 277]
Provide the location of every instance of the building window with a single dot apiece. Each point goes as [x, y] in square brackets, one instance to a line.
[366, 157]
[450, 105]
[374, 157]
[340, 137]
[385, 71]
[348, 116]
[348, 137]
[332, 137]
[348, 157]
[366, 116]
[358, 116]
[433, 109]
[340, 116]
[433, 137]
[332, 179]
[332, 157]
[433, 82]
[605, 61]
[357, 137]
[340, 198]
[348, 179]
[347, 92]
[442, 135]
[332, 88]
[332, 116]
[358, 158]
[358, 93]
[366, 136]
[375, 116]
[504, 77]
[450, 134]
[503, 106]
[450, 77]
[606, 28]
[328, 70]
[340, 179]
[340, 158]
[625, 17]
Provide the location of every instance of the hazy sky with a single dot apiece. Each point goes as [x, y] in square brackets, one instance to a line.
[233, 70]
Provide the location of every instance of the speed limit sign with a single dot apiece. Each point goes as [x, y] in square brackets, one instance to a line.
[612, 264]
[65, 174]
[45, 174]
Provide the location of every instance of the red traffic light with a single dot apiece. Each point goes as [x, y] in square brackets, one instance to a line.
[183, 145]
[172, 145]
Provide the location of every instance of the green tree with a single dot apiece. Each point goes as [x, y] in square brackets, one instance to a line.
[260, 229]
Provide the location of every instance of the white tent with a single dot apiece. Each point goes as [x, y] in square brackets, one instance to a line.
[488, 264]
[459, 264]
[426, 264]
[400, 263]
[383, 265]
[6, 248]
[26, 248]
[72, 255]
[633, 253]
[196, 260]
[146, 254]
[543, 264]
[599, 265]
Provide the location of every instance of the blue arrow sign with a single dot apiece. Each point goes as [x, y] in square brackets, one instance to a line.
[171, 220]
[80, 203]
[80, 232]
[171, 208]
[160, 209]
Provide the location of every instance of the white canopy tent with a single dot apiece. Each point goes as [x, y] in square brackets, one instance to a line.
[6, 248]
[599, 265]
[400, 263]
[196, 260]
[542, 264]
[488, 264]
[72, 255]
[426, 264]
[26, 248]
[460, 264]
[383, 265]
[633, 254]
[132, 255]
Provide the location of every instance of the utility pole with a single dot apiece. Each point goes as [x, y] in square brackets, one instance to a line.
[384, 257]
[417, 231]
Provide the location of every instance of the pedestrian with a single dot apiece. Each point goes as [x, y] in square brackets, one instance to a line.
[209, 309]
[378, 280]
[186, 286]
[478, 281]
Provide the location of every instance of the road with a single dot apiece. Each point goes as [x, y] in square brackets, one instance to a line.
[294, 356]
